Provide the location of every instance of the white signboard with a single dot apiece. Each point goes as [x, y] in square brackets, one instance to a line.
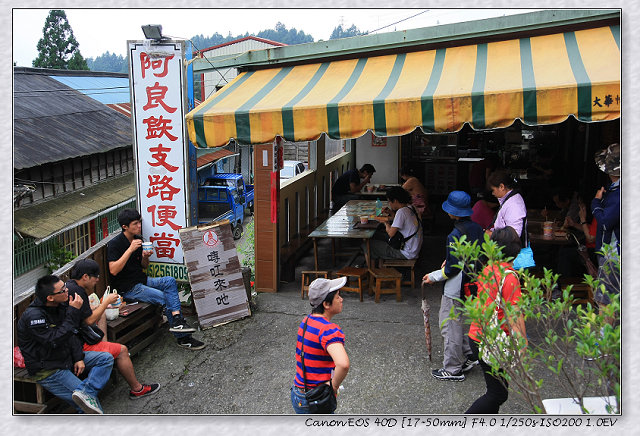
[158, 109]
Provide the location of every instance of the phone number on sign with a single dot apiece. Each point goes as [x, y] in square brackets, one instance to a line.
[175, 270]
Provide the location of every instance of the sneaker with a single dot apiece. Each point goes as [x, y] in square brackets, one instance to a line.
[87, 403]
[469, 364]
[191, 343]
[179, 325]
[442, 374]
[145, 391]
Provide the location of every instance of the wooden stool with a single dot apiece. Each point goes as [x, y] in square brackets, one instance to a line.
[354, 275]
[386, 281]
[306, 279]
[403, 263]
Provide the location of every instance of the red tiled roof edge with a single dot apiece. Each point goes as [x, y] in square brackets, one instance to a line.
[255, 38]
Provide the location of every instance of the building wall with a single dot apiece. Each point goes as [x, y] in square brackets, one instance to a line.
[384, 159]
[217, 79]
[58, 178]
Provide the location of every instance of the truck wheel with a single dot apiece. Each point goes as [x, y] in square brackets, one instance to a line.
[251, 207]
[237, 231]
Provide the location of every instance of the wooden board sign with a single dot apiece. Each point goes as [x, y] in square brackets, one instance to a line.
[214, 273]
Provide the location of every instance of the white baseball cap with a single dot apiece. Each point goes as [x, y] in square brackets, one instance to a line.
[320, 288]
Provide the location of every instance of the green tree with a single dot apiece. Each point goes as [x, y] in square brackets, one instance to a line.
[109, 62]
[58, 48]
[340, 32]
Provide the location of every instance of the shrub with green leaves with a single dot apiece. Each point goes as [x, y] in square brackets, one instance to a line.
[579, 345]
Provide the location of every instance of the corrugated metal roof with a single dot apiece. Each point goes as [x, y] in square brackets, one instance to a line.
[49, 218]
[106, 90]
[213, 157]
[53, 122]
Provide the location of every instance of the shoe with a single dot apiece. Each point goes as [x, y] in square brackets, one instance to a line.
[179, 325]
[598, 355]
[469, 364]
[145, 391]
[87, 403]
[191, 343]
[442, 374]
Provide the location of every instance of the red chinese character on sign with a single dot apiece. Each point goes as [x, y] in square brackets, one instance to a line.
[161, 186]
[165, 244]
[155, 97]
[156, 127]
[159, 153]
[146, 63]
[164, 214]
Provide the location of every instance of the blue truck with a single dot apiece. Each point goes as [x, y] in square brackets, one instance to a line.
[225, 196]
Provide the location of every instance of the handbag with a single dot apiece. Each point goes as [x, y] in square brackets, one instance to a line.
[524, 259]
[91, 334]
[398, 241]
[502, 340]
[322, 398]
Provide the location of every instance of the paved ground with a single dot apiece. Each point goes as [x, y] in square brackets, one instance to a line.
[248, 365]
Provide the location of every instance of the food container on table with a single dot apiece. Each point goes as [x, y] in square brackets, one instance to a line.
[547, 229]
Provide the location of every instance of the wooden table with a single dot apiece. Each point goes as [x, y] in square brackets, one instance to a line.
[377, 193]
[536, 235]
[341, 226]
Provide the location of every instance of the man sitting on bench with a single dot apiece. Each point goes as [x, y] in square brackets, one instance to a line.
[126, 260]
[84, 277]
[53, 351]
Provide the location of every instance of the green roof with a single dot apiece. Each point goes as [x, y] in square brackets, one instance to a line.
[46, 219]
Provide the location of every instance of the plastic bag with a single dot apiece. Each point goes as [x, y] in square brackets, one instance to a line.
[18, 360]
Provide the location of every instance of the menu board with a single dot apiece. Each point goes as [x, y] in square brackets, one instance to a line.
[216, 280]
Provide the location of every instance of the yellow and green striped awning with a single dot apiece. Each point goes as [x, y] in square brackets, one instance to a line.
[539, 80]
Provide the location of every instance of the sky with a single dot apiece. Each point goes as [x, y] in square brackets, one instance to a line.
[97, 32]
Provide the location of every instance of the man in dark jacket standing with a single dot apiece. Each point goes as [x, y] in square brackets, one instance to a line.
[52, 350]
[458, 356]
[606, 210]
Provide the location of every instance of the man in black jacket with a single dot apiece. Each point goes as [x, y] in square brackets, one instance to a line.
[52, 350]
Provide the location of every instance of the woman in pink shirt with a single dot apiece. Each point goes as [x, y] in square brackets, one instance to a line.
[512, 211]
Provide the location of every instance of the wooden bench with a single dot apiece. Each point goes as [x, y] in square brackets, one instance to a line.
[403, 263]
[138, 329]
[385, 281]
[31, 397]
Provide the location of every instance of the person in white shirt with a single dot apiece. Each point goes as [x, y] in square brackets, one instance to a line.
[402, 217]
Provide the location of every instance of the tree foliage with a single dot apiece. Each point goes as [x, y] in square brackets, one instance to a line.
[281, 34]
[58, 48]
[340, 32]
[110, 62]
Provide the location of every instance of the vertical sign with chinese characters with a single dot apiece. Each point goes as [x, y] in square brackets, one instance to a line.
[156, 75]
[214, 273]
